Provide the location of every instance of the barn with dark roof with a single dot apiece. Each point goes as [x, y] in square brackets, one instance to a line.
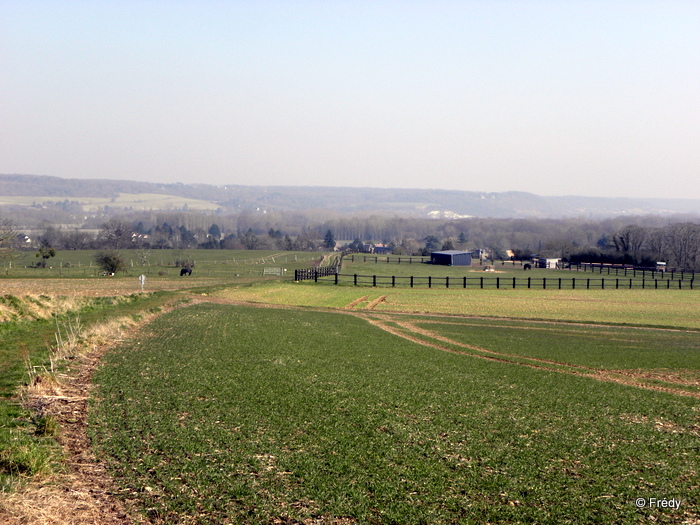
[451, 258]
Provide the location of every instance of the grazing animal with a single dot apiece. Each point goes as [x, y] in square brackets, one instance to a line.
[185, 271]
[527, 266]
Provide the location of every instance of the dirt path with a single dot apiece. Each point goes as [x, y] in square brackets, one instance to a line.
[86, 494]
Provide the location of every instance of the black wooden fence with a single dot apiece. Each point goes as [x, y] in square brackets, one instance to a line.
[618, 270]
[330, 275]
[307, 274]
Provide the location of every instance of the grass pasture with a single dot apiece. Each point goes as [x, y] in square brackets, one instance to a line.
[161, 264]
[74, 273]
[291, 414]
[388, 272]
[662, 308]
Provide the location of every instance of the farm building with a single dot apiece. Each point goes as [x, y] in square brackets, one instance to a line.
[543, 262]
[451, 258]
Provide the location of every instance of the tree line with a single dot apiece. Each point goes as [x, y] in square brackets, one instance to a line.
[642, 240]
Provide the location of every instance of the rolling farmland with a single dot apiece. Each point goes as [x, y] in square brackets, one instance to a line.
[261, 400]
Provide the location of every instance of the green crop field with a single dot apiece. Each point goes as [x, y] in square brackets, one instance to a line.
[236, 414]
[273, 401]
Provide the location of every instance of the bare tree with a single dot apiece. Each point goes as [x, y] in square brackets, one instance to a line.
[683, 244]
[629, 241]
[8, 234]
[655, 244]
[117, 235]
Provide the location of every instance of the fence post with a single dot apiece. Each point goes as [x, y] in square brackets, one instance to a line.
[355, 279]
[588, 283]
[602, 283]
[482, 283]
[498, 283]
[560, 283]
[544, 283]
[393, 281]
[336, 278]
[430, 282]
[447, 282]
[465, 282]
[514, 281]
[374, 281]
[411, 281]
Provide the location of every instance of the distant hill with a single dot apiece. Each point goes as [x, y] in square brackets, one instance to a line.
[28, 190]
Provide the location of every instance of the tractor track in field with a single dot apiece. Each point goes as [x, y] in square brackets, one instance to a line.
[411, 332]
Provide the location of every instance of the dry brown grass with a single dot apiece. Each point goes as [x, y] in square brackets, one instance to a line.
[85, 493]
[36, 306]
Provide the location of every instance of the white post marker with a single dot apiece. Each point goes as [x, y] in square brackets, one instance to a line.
[142, 281]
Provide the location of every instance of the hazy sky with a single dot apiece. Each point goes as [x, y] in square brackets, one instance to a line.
[567, 97]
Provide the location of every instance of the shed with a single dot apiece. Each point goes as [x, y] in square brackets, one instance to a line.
[543, 262]
[451, 258]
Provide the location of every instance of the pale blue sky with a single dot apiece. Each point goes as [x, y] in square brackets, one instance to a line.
[598, 98]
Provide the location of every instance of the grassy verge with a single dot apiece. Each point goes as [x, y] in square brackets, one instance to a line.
[271, 414]
[28, 348]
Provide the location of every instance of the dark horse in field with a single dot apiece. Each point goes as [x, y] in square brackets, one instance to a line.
[185, 271]
[527, 266]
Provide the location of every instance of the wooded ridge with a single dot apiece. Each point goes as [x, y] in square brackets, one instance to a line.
[27, 190]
